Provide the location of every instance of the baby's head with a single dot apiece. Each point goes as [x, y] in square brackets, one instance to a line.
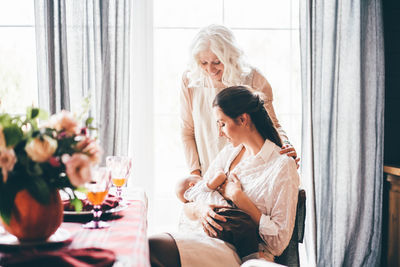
[184, 184]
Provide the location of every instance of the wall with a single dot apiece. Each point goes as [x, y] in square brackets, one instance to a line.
[391, 19]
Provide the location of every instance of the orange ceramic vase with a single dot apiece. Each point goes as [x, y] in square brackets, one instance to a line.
[33, 221]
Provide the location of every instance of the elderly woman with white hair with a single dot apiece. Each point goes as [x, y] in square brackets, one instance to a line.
[216, 63]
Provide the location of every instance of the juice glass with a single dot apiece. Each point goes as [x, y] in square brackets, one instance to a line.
[97, 190]
[120, 167]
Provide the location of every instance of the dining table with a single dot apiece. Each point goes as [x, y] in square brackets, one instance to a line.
[126, 236]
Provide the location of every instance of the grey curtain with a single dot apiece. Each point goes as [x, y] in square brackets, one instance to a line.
[52, 55]
[343, 102]
[83, 51]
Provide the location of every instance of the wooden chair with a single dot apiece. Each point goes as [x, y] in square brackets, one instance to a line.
[290, 256]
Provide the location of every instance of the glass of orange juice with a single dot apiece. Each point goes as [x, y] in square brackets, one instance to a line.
[97, 190]
[120, 167]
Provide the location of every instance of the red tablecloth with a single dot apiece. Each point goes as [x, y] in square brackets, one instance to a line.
[127, 236]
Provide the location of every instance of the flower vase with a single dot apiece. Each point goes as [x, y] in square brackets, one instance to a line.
[34, 221]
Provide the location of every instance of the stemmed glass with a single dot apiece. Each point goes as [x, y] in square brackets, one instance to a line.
[120, 167]
[97, 190]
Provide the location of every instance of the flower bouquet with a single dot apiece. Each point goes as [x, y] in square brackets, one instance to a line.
[40, 155]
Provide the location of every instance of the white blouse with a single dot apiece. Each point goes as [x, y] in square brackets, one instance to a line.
[271, 181]
[199, 132]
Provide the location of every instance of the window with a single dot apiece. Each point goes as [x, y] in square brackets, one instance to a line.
[18, 80]
[267, 31]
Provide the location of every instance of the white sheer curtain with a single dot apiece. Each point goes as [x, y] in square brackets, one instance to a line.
[142, 128]
[343, 103]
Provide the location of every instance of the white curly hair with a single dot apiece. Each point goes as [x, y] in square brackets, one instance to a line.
[221, 41]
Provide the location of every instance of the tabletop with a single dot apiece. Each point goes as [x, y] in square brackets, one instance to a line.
[126, 236]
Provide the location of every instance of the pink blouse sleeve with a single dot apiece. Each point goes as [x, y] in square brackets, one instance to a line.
[261, 84]
[187, 127]
[276, 228]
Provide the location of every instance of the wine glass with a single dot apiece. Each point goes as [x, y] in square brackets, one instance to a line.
[97, 190]
[120, 167]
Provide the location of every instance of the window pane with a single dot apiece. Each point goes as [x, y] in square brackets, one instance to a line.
[17, 12]
[169, 157]
[269, 51]
[169, 168]
[295, 14]
[257, 13]
[295, 100]
[187, 13]
[171, 53]
[276, 54]
[18, 82]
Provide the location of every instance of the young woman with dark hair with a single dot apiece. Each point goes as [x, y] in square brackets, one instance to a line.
[261, 182]
[238, 100]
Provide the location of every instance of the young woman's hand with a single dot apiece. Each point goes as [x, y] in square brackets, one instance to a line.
[231, 187]
[207, 217]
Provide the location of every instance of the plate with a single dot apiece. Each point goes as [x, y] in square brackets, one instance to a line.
[89, 212]
[61, 236]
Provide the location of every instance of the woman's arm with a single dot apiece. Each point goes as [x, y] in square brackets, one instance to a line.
[187, 128]
[276, 228]
[206, 215]
[232, 190]
[216, 181]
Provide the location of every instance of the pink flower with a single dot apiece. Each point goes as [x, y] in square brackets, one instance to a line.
[91, 148]
[77, 168]
[41, 149]
[7, 162]
[65, 121]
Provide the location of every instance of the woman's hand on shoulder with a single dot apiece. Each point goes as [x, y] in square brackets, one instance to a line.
[289, 150]
[207, 217]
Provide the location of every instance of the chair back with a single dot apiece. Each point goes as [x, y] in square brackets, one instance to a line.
[290, 256]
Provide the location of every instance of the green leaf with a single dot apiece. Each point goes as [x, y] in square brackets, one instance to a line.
[29, 113]
[89, 121]
[43, 114]
[77, 203]
[34, 169]
[7, 196]
[39, 189]
[5, 119]
[34, 113]
[81, 189]
[6, 205]
[13, 134]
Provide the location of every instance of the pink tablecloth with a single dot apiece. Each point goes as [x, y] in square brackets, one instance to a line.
[127, 236]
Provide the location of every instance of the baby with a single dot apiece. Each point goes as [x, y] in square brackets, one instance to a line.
[239, 229]
[194, 188]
